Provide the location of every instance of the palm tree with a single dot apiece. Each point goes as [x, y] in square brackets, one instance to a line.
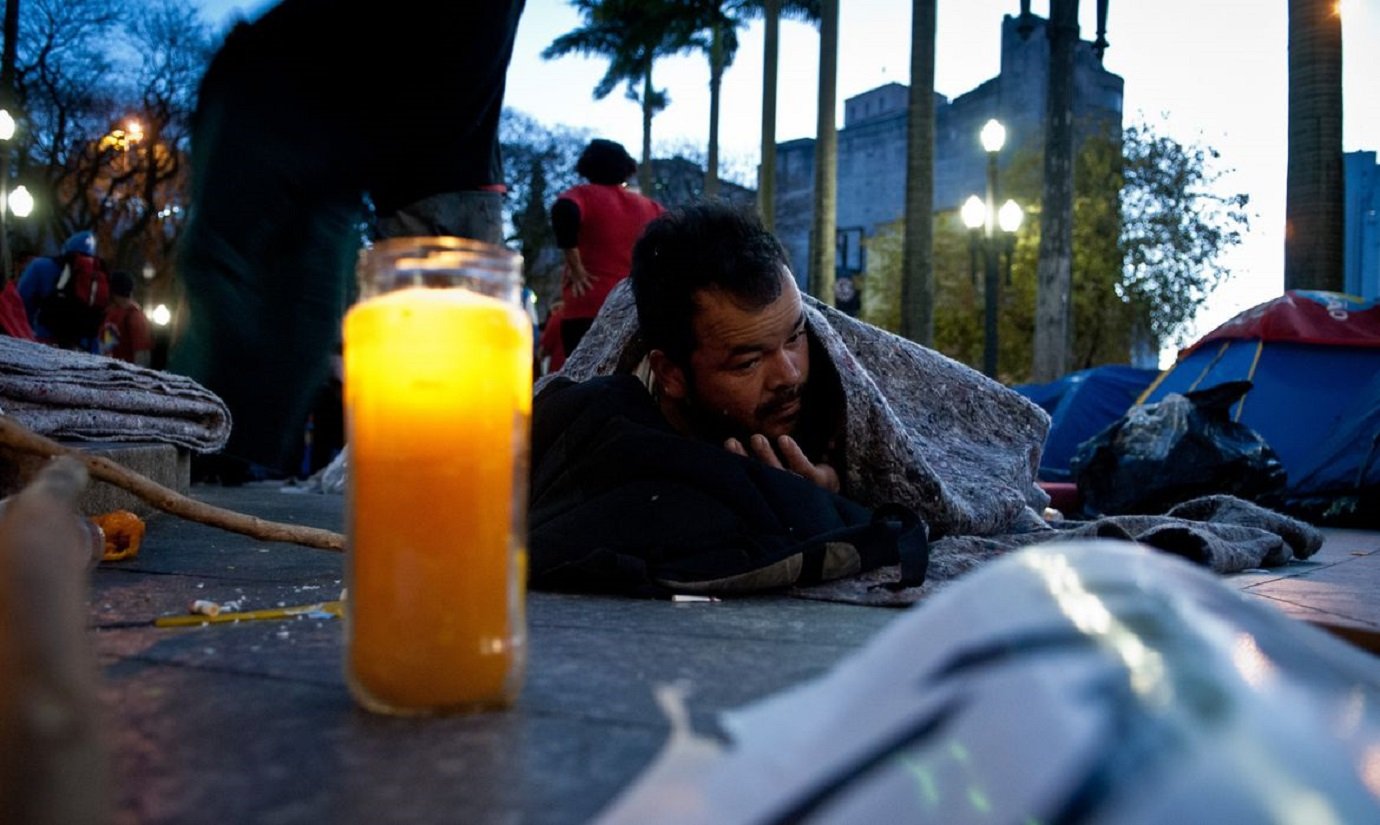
[1313, 198]
[715, 25]
[825, 221]
[631, 34]
[917, 280]
[772, 11]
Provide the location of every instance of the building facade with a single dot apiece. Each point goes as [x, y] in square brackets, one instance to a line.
[1361, 224]
[872, 144]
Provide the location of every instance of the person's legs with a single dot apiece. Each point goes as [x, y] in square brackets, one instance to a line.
[572, 331]
[265, 261]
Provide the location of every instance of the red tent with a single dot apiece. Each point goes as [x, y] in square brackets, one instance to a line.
[1304, 317]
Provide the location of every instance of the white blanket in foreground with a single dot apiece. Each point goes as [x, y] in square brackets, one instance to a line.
[1090, 681]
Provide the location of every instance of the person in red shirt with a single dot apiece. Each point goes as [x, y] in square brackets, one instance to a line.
[125, 334]
[596, 225]
[550, 347]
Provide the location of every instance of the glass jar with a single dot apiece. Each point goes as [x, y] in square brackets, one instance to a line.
[438, 397]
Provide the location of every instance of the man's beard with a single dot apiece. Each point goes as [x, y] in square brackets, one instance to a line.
[718, 426]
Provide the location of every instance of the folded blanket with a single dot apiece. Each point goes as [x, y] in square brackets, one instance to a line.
[1224, 533]
[64, 394]
[921, 429]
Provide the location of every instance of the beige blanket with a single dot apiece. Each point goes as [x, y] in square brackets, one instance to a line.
[64, 394]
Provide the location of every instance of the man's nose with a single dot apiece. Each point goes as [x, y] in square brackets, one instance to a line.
[785, 370]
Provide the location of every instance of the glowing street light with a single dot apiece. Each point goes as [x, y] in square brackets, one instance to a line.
[121, 139]
[993, 136]
[20, 202]
[974, 212]
[1009, 217]
[161, 315]
[6, 124]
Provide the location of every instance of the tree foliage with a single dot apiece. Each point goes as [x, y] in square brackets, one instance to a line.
[1176, 227]
[1149, 231]
[713, 29]
[106, 89]
[631, 35]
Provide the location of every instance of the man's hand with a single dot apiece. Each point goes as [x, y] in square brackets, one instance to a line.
[580, 281]
[576, 276]
[822, 475]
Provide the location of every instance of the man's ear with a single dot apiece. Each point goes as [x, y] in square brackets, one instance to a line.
[670, 378]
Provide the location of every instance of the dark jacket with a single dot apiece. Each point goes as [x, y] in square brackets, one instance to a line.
[623, 503]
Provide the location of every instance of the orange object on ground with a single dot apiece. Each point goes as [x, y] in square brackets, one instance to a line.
[123, 533]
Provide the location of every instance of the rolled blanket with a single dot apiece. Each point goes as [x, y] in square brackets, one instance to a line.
[1220, 532]
[64, 394]
[921, 429]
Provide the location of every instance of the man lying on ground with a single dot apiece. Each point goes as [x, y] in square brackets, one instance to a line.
[772, 441]
[745, 379]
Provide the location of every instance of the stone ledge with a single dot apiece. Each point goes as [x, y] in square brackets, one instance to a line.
[166, 464]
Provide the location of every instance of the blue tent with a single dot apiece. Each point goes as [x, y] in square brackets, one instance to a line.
[1313, 358]
[1348, 458]
[1081, 405]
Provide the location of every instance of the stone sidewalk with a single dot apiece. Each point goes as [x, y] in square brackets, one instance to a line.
[251, 722]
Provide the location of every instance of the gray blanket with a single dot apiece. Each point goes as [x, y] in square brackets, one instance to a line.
[921, 429]
[64, 394]
[1223, 533]
[962, 451]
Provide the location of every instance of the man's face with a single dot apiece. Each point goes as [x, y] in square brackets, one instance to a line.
[748, 370]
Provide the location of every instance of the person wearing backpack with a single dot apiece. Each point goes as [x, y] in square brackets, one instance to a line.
[66, 296]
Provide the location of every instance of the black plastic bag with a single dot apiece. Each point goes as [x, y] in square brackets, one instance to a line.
[1182, 447]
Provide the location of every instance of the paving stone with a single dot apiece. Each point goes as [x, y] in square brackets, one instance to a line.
[251, 722]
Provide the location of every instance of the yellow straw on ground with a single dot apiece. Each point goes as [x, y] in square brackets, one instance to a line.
[329, 608]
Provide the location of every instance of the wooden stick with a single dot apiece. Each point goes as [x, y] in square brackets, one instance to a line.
[17, 437]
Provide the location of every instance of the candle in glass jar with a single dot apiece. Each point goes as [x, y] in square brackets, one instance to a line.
[438, 396]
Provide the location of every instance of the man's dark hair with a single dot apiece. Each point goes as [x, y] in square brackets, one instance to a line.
[694, 248]
[604, 161]
[121, 283]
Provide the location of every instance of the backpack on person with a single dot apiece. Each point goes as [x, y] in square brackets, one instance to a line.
[75, 309]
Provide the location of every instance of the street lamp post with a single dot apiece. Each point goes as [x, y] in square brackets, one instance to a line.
[6, 133]
[984, 220]
[993, 137]
[1009, 218]
[974, 214]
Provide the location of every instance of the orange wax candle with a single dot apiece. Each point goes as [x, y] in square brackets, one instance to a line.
[438, 389]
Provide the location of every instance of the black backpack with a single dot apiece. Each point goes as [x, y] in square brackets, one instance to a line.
[76, 307]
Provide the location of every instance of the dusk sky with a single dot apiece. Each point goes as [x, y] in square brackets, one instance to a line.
[1210, 72]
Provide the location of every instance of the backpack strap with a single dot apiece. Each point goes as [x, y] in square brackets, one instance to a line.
[65, 277]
